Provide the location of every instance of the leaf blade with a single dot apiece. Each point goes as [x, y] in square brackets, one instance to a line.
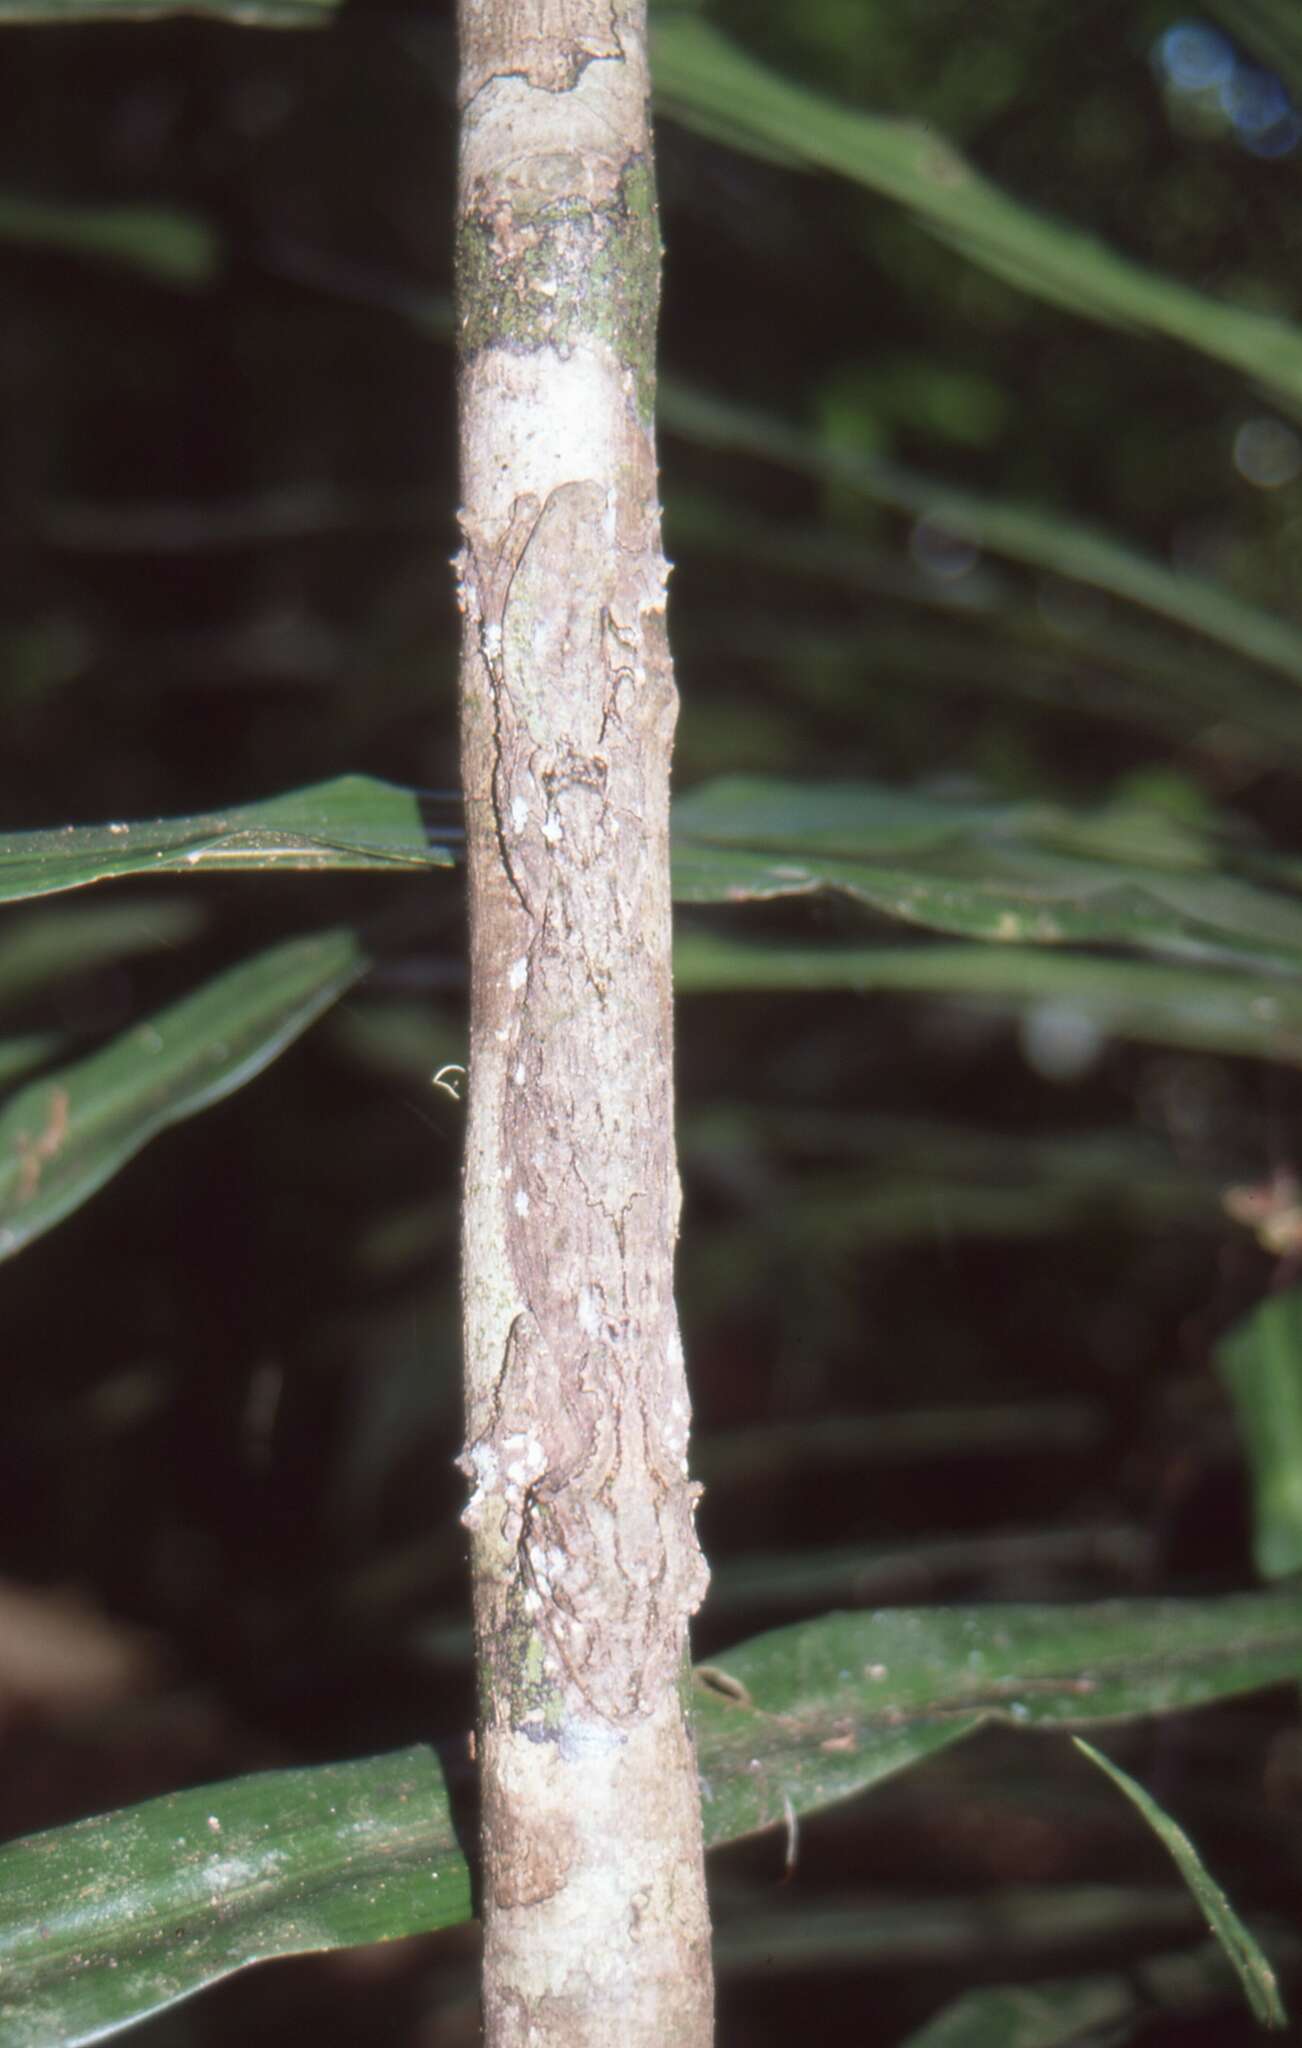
[202, 1883]
[352, 822]
[1161, 1003]
[242, 13]
[703, 79]
[1037, 535]
[64, 1136]
[802, 1717]
[1123, 874]
[1244, 1951]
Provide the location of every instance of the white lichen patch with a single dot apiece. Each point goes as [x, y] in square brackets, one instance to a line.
[552, 830]
[483, 1462]
[521, 1202]
[589, 1312]
[519, 974]
[519, 814]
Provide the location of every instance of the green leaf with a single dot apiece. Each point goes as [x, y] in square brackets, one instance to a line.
[63, 1136]
[161, 242]
[1158, 1003]
[1085, 2010]
[1128, 874]
[352, 822]
[709, 83]
[1260, 1361]
[950, 1934]
[1034, 2015]
[804, 1716]
[39, 949]
[118, 1917]
[1242, 1947]
[1034, 534]
[111, 1919]
[242, 13]
[989, 636]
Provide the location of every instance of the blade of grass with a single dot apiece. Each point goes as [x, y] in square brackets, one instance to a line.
[1240, 1944]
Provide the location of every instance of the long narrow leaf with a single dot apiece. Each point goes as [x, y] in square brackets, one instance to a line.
[114, 1918]
[1156, 1003]
[42, 948]
[245, 13]
[1085, 2010]
[804, 1716]
[708, 82]
[1139, 674]
[1240, 1945]
[1035, 535]
[1124, 875]
[352, 822]
[163, 243]
[111, 1919]
[63, 1136]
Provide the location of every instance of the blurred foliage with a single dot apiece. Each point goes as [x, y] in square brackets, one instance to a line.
[967, 1225]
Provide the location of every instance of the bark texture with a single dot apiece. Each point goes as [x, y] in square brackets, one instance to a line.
[584, 1556]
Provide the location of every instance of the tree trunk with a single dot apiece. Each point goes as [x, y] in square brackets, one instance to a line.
[584, 1556]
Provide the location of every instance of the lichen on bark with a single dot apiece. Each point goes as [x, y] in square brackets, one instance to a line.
[552, 269]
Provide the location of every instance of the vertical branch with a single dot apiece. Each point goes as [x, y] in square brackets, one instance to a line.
[584, 1556]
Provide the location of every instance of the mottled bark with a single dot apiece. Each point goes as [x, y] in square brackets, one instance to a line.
[584, 1557]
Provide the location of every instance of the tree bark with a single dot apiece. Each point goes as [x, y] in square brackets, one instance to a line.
[584, 1557]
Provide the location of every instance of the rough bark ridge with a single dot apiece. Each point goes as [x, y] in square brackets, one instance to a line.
[585, 1562]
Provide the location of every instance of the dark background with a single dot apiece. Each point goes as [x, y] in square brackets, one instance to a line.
[226, 513]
